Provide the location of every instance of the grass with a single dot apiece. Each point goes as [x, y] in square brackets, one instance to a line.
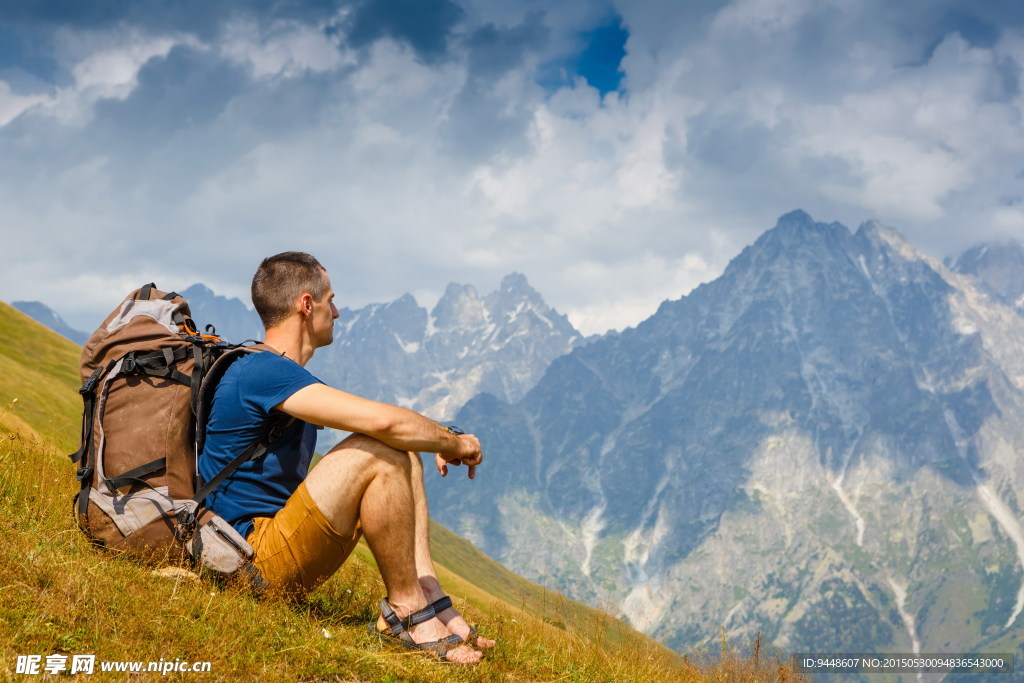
[60, 595]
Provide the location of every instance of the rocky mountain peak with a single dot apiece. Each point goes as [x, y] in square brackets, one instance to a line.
[199, 290]
[796, 239]
[516, 282]
[998, 266]
[797, 227]
[460, 306]
[395, 352]
[229, 316]
[514, 296]
[808, 443]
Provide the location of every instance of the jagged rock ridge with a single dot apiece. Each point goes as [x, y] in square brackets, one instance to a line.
[432, 362]
[820, 444]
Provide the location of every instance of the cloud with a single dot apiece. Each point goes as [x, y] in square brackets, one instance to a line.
[197, 17]
[288, 49]
[410, 144]
[495, 104]
[12, 105]
[425, 25]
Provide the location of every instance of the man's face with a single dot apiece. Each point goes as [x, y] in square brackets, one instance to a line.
[324, 314]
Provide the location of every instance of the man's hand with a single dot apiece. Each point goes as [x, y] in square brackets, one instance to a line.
[468, 454]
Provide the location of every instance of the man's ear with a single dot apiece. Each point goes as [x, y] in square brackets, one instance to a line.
[305, 303]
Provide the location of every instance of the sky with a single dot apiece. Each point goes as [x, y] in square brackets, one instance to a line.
[616, 153]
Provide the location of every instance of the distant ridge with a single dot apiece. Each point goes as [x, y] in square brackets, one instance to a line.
[42, 313]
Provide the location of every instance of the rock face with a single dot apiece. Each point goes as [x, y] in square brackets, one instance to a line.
[230, 318]
[45, 315]
[820, 445]
[999, 268]
[432, 362]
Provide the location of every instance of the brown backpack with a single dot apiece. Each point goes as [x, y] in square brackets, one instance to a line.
[148, 379]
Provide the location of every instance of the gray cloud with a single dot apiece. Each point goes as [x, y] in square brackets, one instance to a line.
[493, 50]
[484, 120]
[425, 25]
[199, 17]
[410, 144]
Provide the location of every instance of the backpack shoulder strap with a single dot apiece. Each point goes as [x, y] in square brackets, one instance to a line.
[212, 377]
[256, 449]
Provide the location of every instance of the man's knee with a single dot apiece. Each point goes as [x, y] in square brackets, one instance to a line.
[371, 449]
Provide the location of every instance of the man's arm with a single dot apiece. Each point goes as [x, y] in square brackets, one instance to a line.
[398, 427]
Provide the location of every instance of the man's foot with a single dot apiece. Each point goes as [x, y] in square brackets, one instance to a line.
[454, 621]
[432, 631]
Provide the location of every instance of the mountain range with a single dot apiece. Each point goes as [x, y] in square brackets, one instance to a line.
[431, 361]
[821, 444]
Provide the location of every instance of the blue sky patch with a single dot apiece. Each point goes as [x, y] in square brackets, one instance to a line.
[598, 63]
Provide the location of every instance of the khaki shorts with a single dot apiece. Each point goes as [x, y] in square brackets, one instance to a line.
[297, 549]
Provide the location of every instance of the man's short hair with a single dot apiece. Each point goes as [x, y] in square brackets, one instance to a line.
[281, 279]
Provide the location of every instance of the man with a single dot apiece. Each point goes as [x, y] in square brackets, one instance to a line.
[371, 484]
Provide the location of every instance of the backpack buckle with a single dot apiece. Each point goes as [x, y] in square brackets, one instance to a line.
[186, 526]
[83, 473]
[93, 380]
[129, 365]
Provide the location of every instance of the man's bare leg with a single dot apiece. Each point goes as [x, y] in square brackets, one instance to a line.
[425, 564]
[362, 480]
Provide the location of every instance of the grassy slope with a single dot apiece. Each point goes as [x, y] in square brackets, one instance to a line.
[60, 595]
[39, 369]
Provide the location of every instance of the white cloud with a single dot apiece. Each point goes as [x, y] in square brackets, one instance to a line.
[403, 176]
[288, 48]
[12, 105]
[627, 292]
[762, 18]
[107, 74]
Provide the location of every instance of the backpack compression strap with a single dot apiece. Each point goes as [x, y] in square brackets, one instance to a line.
[84, 454]
[257, 449]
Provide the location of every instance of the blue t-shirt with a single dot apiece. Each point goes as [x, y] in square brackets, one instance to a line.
[241, 413]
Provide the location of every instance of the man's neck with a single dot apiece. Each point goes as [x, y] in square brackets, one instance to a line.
[290, 340]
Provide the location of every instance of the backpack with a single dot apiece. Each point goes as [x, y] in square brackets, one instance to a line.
[148, 382]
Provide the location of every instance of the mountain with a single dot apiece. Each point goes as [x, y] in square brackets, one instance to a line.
[999, 266]
[432, 362]
[44, 314]
[231, 319]
[821, 445]
[398, 352]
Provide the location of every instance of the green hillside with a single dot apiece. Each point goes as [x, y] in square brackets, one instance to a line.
[61, 596]
[38, 380]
